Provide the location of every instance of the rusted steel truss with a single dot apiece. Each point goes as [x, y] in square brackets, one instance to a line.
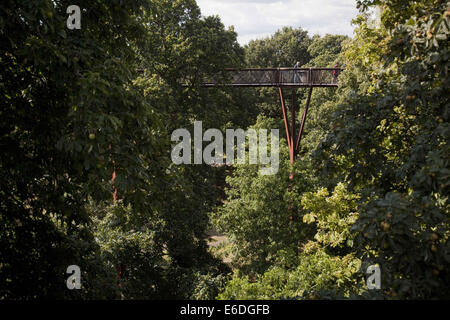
[293, 137]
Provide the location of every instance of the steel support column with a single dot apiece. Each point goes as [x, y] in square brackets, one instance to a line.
[294, 139]
[302, 124]
[286, 125]
[293, 126]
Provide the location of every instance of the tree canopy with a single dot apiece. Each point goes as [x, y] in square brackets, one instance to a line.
[86, 176]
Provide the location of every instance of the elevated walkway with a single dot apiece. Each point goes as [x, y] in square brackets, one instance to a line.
[282, 78]
[278, 77]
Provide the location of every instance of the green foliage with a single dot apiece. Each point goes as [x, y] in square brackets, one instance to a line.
[253, 208]
[80, 104]
[393, 148]
[56, 92]
[310, 272]
[325, 50]
[313, 273]
[388, 141]
[333, 214]
[283, 49]
[266, 217]
[371, 183]
[261, 213]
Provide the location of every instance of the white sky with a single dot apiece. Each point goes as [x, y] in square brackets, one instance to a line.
[256, 19]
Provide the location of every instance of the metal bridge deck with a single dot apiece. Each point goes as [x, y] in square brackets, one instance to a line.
[278, 77]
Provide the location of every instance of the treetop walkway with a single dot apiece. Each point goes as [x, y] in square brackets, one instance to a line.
[278, 77]
[291, 78]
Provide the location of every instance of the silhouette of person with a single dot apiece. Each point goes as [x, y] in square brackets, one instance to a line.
[296, 72]
[335, 72]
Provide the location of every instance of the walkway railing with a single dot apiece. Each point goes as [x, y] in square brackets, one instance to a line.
[278, 77]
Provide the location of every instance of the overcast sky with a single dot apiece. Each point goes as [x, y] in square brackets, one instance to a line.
[255, 19]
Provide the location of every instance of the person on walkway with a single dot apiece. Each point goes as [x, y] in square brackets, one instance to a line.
[335, 72]
[296, 72]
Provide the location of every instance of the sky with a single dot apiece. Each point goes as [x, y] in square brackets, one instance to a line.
[256, 19]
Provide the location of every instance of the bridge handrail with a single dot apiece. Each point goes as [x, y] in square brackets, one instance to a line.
[273, 77]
